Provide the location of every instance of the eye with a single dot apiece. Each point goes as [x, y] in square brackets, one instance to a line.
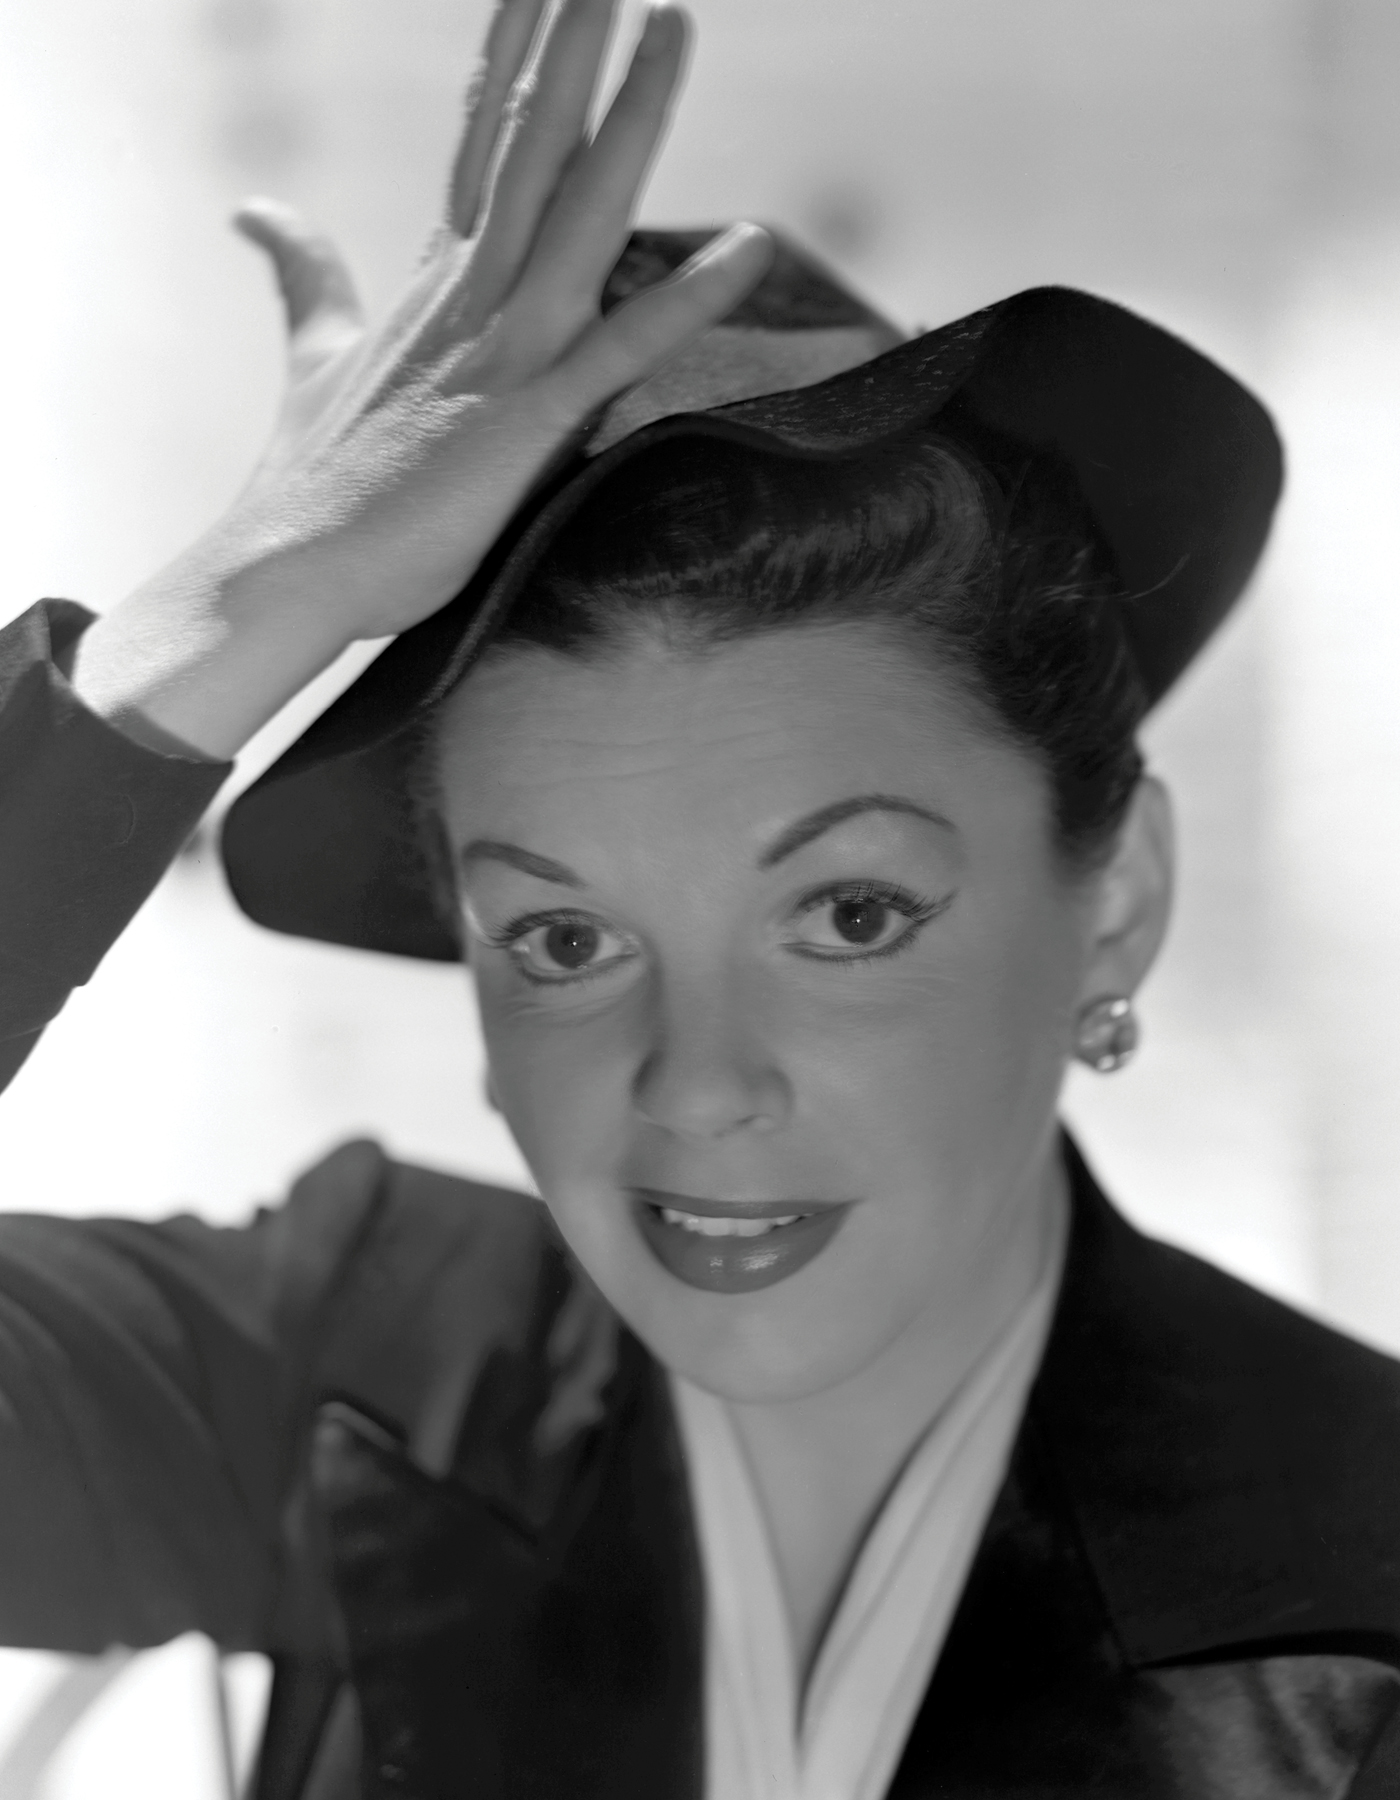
[556, 948]
[854, 921]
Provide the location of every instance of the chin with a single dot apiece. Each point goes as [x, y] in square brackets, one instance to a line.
[789, 1337]
[749, 1349]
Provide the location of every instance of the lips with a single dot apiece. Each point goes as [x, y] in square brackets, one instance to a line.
[738, 1247]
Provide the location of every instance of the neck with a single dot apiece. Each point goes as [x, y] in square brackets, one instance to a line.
[823, 1464]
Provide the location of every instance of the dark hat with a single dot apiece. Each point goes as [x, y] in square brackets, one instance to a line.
[1179, 466]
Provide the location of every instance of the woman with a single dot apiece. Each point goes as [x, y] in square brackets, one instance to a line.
[761, 732]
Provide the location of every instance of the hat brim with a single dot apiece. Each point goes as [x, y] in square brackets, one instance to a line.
[1178, 463]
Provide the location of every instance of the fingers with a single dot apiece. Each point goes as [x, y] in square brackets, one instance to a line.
[638, 337]
[317, 290]
[587, 221]
[543, 127]
[507, 46]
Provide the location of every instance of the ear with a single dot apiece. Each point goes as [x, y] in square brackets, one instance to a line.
[1132, 897]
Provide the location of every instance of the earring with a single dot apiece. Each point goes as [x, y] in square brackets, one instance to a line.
[1106, 1033]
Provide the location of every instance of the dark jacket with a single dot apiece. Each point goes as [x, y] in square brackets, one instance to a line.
[390, 1434]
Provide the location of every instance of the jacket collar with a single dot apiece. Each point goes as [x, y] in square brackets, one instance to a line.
[1232, 1465]
[532, 1622]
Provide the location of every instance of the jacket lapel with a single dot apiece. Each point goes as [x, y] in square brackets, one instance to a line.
[1232, 1467]
[530, 1625]
[1186, 1521]
[1185, 1590]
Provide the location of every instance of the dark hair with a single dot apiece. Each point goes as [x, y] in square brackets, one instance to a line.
[985, 561]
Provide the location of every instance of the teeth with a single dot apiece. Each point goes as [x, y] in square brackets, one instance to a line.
[746, 1228]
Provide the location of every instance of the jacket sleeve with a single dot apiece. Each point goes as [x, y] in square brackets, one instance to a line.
[89, 821]
[156, 1387]
[152, 1377]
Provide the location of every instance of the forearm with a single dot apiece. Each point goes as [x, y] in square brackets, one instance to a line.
[120, 1518]
[155, 1385]
[89, 821]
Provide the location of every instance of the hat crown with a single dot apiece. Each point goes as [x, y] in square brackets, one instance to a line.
[1179, 467]
[797, 292]
[799, 326]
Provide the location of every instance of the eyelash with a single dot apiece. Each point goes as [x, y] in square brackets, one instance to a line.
[918, 909]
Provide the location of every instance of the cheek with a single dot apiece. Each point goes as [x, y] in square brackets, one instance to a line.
[998, 1034]
[548, 1083]
[956, 1046]
[563, 1084]
[565, 1089]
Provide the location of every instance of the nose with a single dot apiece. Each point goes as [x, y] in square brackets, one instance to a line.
[706, 1072]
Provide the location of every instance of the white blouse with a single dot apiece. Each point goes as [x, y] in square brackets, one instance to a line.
[844, 1742]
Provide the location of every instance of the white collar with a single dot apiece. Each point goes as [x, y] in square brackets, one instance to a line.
[880, 1648]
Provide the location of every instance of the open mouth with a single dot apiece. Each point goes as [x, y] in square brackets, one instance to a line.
[703, 1227]
[737, 1247]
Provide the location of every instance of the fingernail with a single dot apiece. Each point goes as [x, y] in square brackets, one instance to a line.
[745, 232]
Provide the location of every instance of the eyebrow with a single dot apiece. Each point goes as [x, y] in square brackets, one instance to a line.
[543, 868]
[813, 824]
[788, 842]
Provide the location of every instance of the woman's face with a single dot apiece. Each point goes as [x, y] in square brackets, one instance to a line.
[771, 934]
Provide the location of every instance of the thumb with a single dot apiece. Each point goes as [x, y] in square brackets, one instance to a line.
[317, 289]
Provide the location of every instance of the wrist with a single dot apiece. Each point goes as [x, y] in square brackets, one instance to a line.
[203, 654]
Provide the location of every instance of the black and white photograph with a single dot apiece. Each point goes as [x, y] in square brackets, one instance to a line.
[700, 900]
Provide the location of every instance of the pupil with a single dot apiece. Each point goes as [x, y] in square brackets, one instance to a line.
[860, 921]
[571, 945]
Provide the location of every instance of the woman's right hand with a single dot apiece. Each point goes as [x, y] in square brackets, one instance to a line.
[401, 451]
